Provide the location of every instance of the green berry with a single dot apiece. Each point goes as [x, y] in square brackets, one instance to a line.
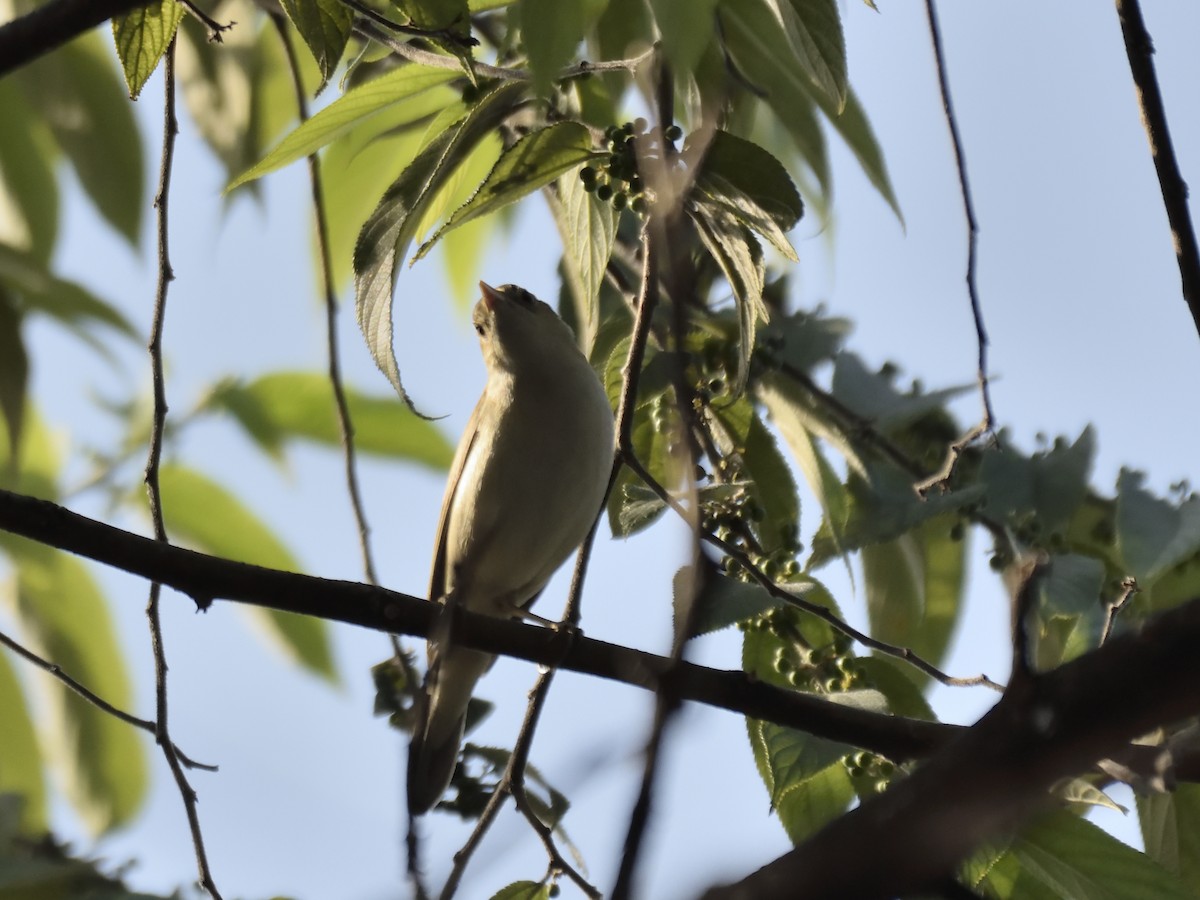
[586, 174]
[640, 125]
[619, 200]
[604, 192]
[673, 133]
[638, 205]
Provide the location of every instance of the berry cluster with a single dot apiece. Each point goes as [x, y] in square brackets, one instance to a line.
[616, 179]
[865, 766]
[828, 669]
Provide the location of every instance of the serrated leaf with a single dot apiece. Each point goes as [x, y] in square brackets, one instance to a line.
[751, 184]
[386, 235]
[814, 29]
[325, 26]
[1171, 831]
[1153, 534]
[142, 37]
[205, 515]
[551, 31]
[283, 405]
[722, 601]
[28, 186]
[1050, 485]
[408, 92]
[532, 162]
[1062, 855]
[687, 27]
[588, 229]
[804, 775]
[66, 619]
[740, 258]
[21, 764]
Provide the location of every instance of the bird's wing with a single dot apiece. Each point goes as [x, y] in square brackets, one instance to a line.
[437, 578]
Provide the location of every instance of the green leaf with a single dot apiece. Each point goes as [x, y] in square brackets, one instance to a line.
[740, 258]
[82, 100]
[588, 229]
[523, 890]
[1153, 534]
[283, 405]
[551, 31]
[1069, 614]
[409, 93]
[914, 587]
[386, 235]
[14, 371]
[814, 29]
[687, 27]
[28, 186]
[142, 36]
[752, 185]
[1171, 831]
[325, 26]
[893, 679]
[1062, 855]
[1049, 485]
[873, 395]
[722, 601]
[856, 131]
[65, 618]
[631, 507]
[200, 512]
[882, 506]
[67, 301]
[21, 762]
[532, 162]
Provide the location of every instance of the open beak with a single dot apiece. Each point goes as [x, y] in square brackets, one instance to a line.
[491, 296]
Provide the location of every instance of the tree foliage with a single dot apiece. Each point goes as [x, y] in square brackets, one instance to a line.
[676, 144]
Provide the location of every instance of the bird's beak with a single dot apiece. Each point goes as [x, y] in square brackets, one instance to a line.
[491, 296]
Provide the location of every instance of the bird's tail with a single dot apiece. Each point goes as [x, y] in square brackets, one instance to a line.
[433, 752]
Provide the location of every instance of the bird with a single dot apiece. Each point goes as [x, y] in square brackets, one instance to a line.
[526, 484]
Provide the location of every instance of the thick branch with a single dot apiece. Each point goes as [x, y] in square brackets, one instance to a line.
[207, 578]
[1045, 728]
[49, 26]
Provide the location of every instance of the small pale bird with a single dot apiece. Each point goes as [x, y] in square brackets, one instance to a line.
[526, 484]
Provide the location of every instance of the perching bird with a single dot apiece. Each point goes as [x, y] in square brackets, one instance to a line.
[525, 486]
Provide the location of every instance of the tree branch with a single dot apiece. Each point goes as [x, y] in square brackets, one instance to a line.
[49, 26]
[207, 578]
[1139, 48]
[994, 776]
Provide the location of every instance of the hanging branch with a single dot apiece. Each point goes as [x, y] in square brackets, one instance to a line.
[1139, 49]
[987, 423]
[165, 276]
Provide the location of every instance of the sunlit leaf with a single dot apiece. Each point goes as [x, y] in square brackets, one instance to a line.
[1171, 831]
[66, 619]
[386, 235]
[21, 762]
[1062, 855]
[209, 517]
[142, 36]
[409, 88]
[532, 162]
[523, 890]
[325, 26]
[588, 229]
[814, 28]
[551, 31]
[284, 405]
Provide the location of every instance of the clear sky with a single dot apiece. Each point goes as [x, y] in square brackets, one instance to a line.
[1081, 298]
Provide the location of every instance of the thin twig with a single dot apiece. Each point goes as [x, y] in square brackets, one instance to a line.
[215, 28]
[380, 34]
[1139, 48]
[165, 276]
[345, 425]
[1129, 587]
[986, 424]
[94, 699]
[444, 35]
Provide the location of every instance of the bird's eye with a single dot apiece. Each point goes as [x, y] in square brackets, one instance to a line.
[480, 330]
